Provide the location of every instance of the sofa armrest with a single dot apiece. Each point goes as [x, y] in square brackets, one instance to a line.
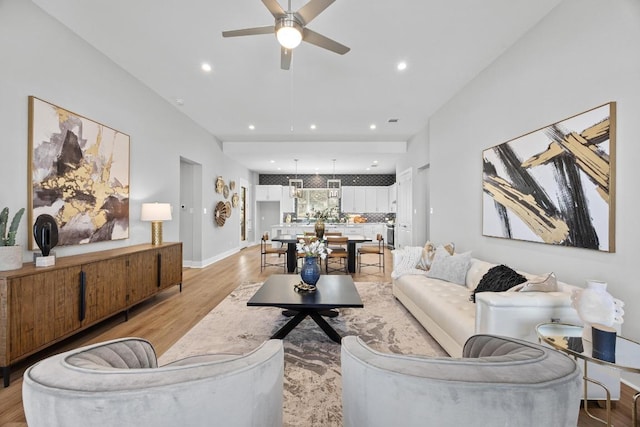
[516, 314]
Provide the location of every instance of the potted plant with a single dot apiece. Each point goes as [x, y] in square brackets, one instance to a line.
[10, 253]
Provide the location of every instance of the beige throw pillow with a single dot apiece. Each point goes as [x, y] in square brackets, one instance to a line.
[429, 252]
[546, 283]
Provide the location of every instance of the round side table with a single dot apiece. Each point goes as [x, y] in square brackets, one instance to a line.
[568, 338]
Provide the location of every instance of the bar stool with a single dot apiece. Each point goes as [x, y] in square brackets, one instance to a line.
[266, 250]
[339, 254]
[372, 250]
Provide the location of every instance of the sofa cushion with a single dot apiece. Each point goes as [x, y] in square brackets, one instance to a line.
[498, 279]
[446, 303]
[452, 268]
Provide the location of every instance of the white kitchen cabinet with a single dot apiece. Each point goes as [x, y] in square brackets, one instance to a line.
[370, 199]
[382, 199]
[268, 193]
[393, 194]
[287, 204]
[359, 199]
[348, 199]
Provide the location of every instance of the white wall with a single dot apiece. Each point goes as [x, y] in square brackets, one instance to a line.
[583, 54]
[40, 57]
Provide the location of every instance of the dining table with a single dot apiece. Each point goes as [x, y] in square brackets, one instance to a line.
[292, 258]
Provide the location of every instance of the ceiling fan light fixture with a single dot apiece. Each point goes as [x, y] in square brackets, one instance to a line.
[289, 33]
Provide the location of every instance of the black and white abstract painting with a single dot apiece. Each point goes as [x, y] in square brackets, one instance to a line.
[555, 185]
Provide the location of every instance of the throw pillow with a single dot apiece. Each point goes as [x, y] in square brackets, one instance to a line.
[498, 279]
[546, 283]
[452, 268]
[429, 251]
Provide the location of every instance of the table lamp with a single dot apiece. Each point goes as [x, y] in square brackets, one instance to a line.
[156, 213]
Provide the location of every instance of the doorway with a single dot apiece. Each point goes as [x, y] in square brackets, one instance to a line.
[190, 205]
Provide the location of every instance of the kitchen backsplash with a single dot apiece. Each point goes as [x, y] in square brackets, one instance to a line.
[371, 217]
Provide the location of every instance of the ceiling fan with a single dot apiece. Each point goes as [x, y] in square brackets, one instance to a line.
[290, 29]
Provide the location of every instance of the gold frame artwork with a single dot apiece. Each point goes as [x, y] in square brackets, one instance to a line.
[79, 174]
[555, 185]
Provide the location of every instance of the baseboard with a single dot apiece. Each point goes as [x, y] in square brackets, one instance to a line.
[207, 262]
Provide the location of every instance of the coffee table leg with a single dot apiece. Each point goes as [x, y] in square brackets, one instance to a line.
[335, 336]
[288, 327]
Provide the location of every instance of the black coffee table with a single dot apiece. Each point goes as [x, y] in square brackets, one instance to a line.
[333, 291]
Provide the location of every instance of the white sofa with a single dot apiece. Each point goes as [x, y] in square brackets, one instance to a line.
[450, 317]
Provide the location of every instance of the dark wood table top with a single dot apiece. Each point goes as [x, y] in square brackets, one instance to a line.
[333, 291]
[293, 238]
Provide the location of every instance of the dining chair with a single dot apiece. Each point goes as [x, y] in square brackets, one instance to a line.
[338, 254]
[267, 252]
[372, 250]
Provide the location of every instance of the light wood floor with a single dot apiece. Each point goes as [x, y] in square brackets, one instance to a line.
[167, 317]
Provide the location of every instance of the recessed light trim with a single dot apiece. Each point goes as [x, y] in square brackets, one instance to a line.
[206, 67]
[252, 127]
[372, 126]
[312, 127]
[401, 66]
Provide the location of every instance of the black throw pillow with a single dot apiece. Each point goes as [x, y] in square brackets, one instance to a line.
[498, 279]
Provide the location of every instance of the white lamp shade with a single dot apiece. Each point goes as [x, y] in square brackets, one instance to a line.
[155, 212]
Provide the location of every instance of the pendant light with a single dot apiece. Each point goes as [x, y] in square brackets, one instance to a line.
[334, 185]
[295, 185]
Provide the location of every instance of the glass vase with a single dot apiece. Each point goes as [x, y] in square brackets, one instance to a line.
[310, 271]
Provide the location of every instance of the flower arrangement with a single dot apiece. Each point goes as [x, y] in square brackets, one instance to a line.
[314, 248]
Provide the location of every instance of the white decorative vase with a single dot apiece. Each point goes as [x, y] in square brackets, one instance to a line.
[595, 305]
[10, 257]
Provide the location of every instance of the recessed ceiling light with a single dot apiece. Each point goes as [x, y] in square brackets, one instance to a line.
[401, 66]
[279, 169]
[252, 127]
[206, 67]
[372, 126]
[367, 169]
[312, 127]
[272, 161]
[375, 162]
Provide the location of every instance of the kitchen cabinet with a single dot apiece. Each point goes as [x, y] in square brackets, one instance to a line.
[287, 204]
[268, 193]
[370, 199]
[382, 199]
[359, 199]
[348, 199]
[40, 306]
[393, 192]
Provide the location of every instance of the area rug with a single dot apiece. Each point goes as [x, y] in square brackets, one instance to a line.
[312, 386]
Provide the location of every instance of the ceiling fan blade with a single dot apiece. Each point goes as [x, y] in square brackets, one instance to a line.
[285, 58]
[312, 9]
[249, 31]
[274, 7]
[319, 40]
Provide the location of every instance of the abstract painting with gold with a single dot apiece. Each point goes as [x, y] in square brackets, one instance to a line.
[555, 185]
[79, 174]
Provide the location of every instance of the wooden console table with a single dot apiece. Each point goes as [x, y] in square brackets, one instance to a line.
[40, 306]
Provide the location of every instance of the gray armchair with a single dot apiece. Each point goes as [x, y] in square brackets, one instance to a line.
[499, 381]
[118, 383]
